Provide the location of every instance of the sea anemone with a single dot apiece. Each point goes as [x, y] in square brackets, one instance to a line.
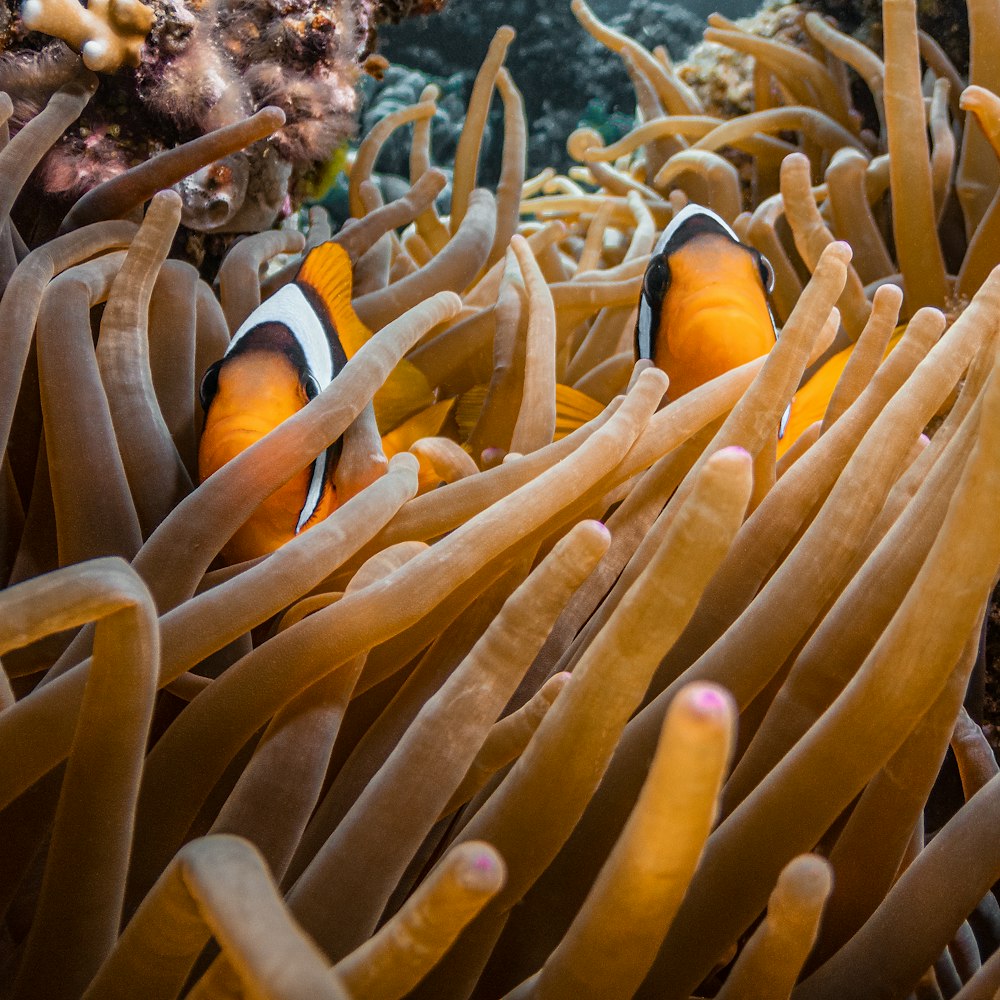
[475, 734]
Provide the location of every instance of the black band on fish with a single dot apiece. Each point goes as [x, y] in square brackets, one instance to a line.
[209, 384]
[337, 353]
[764, 266]
[689, 222]
[783, 423]
[318, 474]
[655, 283]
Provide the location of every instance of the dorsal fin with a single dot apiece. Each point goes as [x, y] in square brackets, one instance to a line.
[327, 272]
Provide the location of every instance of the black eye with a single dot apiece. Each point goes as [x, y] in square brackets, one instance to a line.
[310, 385]
[654, 284]
[209, 385]
[766, 272]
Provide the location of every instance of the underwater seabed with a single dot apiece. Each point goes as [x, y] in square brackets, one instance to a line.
[563, 704]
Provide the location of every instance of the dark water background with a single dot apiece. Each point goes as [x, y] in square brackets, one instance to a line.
[699, 8]
[567, 79]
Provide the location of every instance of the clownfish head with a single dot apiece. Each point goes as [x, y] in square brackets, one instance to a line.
[264, 379]
[703, 307]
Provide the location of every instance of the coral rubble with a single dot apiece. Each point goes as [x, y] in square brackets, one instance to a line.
[588, 692]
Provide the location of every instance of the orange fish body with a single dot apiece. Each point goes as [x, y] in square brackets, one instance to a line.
[230, 427]
[703, 308]
[810, 402]
[286, 352]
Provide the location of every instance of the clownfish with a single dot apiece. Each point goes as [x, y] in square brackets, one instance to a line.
[286, 352]
[809, 404]
[703, 308]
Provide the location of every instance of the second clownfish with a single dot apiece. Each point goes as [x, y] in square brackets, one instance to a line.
[286, 352]
[703, 308]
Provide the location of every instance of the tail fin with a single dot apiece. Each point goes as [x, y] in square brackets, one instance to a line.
[573, 410]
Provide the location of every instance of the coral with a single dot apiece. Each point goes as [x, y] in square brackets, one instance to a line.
[723, 77]
[108, 33]
[214, 194]
[301, 57]
[582, 692]
[193, 68]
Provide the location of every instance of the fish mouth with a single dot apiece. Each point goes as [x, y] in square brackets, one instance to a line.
[710, 313]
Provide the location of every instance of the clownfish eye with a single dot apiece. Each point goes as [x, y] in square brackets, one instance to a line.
[766, 272]
[656, 279]
[209, 384]
[310, 385]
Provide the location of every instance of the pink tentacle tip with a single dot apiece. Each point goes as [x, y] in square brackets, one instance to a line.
[709, 701]
[485, 862]
[600, 527]
[733, 453]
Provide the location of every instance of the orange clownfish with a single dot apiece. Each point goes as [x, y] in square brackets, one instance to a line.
[703, 308]
[287, 351]
[810, 403]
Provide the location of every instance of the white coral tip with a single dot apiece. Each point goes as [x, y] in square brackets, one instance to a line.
[97, 55]
[33, 14]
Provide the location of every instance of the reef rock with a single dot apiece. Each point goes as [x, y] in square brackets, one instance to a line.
[204, 66]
